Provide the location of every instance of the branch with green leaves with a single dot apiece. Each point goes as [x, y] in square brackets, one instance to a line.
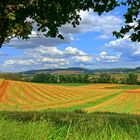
[52, 14]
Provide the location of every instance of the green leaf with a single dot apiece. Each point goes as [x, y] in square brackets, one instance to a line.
[11, 16]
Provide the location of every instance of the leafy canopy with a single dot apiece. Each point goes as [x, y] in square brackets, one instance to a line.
[52, 14]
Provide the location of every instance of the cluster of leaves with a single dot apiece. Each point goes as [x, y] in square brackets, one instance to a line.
[132, 21]
[17, 16]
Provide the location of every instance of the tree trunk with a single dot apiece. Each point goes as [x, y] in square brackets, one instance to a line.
[3, 32]
[2, 40]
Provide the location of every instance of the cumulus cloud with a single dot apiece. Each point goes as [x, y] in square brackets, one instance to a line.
[105, 57]
[41, 52]
[124, 55]
[52, 57]
[83, 59]
[129, 50]
[36, 41]
[51, 51]
[90, 22]
[47, 57]
[104, 25]
[18, 62]
[73, 51]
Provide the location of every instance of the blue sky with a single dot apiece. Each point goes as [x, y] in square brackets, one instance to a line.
[90, 45]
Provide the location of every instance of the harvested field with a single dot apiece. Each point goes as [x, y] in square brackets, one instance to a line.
[133, 91]
[22, 96]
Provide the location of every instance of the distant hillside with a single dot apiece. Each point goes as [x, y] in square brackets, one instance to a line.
[78, 70]
[137, 69]
[73, 70]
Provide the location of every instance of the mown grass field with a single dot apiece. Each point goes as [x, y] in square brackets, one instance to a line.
[31, 111]
[22, 96]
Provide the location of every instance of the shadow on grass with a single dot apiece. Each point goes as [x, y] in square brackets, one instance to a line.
[79, 121]
[59, 117]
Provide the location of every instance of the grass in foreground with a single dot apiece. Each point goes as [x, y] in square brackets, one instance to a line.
[68, 126]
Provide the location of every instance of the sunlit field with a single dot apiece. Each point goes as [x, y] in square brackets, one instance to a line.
[22, 96]
[32, 111]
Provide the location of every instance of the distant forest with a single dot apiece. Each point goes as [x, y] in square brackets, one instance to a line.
[130, 78]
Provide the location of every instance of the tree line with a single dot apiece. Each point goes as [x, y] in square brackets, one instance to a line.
[11, 76]
[49, 78]
[131, 78]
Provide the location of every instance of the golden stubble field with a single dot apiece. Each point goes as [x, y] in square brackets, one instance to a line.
[22, 96]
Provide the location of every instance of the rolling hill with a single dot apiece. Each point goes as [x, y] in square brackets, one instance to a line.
[78, 70]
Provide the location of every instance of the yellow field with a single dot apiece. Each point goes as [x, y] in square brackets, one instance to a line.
[21, 96]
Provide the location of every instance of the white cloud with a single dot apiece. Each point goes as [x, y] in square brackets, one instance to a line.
[104, 25]
[82, 58]
[18, 62]
[54, 51]
[90, 22]
[129, 50]
[124, 54]
[47, 57]
[105, 57]
[44, 52]
[104, 36]
[73, 51]
[35, 41]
